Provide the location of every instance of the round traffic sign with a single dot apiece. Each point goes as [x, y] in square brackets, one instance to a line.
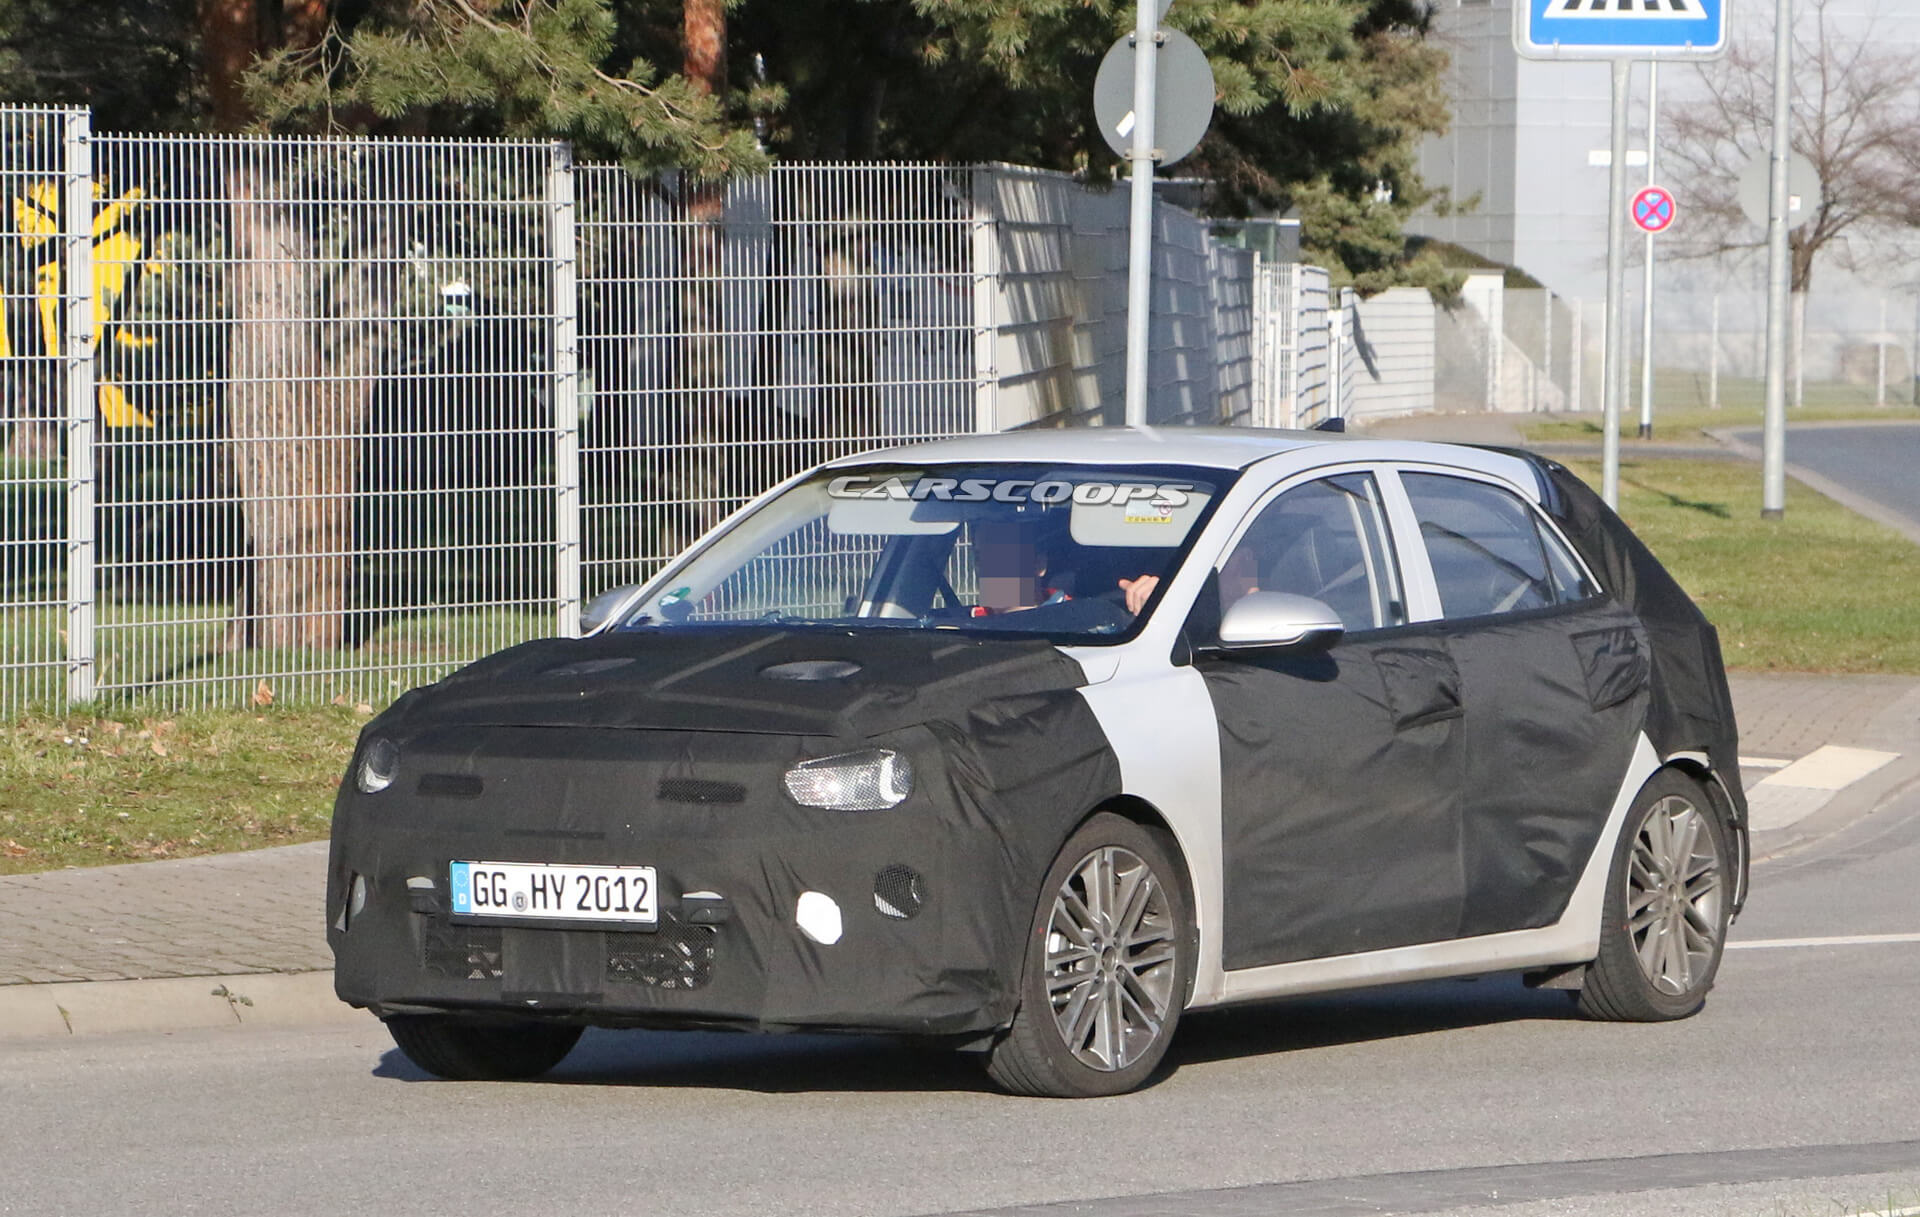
[1803, 189]
[1183, 97]
[1653, 209]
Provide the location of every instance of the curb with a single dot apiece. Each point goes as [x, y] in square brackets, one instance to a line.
[105, 1007]
[1827, 486]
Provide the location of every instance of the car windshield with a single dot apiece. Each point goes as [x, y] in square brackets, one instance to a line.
[1067, 553]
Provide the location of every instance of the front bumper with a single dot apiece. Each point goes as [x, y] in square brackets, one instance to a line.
[925, 891]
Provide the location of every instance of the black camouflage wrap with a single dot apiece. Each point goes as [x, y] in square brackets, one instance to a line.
[1452, 778]
[666, 748]
[1692, 710]
[1419, 784]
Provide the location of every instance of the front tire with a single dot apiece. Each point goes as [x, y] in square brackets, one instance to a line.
[1109, 962]
[462, 1050]
[1668, 902]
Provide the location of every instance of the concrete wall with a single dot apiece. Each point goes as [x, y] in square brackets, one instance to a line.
[1391, 340]
[1059, 311]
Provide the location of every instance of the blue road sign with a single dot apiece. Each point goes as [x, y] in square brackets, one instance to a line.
[1620, 29]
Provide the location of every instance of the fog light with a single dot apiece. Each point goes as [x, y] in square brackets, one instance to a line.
[356, 901]
[379, 765]
[897, 892]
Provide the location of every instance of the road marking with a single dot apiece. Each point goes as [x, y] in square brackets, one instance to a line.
[1830, 767]
[1910, 1211]
[1849, 940]
[1770, 807]
[1794, 792]
[1763, 762]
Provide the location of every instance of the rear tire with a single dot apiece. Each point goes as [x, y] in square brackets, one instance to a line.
[462, 1050]
[1109, 961]
[1669, 897]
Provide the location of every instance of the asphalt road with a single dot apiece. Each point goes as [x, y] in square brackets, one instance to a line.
[1880, 462]
[1801, 1078]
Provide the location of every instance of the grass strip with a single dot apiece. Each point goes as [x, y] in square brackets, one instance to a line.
[1822, 590]
[90, 790]
[1681, 414]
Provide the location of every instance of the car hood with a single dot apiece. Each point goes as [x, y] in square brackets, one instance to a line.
[845, 684]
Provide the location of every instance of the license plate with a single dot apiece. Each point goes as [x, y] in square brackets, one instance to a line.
[517, 891]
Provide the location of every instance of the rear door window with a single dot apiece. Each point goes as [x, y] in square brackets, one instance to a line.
[1489, 551]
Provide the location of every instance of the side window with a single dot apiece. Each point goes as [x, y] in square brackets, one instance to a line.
[1570, 582]
[1490, 553]
[1328, 540]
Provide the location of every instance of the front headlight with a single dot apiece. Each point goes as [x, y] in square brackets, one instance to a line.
[873, 780]
[379, 765]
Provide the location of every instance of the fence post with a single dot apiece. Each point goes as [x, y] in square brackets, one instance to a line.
[1336, 353]
[1296, 302]
[76, 269]
[1880, 358]
[1576, 354]
[564, 248]
[1546, 352]
[986, 296]
[1713, 359]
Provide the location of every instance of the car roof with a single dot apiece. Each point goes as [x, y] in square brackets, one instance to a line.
[1208, 447]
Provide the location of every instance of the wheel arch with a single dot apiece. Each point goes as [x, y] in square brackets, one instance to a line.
[1143, 812]
[1697, 766]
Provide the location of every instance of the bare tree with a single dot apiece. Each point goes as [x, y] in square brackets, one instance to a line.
[1856, 118]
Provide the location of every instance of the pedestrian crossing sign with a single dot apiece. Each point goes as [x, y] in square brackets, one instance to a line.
[1620, 29]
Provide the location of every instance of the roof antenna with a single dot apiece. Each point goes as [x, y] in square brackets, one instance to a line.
[1337, 425]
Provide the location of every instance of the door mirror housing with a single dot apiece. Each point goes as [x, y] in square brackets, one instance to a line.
[1280, 620]
[608, 606]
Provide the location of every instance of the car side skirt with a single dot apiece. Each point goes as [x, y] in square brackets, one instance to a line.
[1575, 938]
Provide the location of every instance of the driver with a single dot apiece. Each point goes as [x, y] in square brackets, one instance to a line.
[1011, 563]
[1012, 559]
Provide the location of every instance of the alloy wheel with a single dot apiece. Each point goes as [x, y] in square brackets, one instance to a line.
[1111, 963]
[1675, 896]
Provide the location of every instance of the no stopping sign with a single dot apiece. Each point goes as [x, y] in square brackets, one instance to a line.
[1653, 209]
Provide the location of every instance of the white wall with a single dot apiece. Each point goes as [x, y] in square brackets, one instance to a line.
[1391, 337]
[1060, 310]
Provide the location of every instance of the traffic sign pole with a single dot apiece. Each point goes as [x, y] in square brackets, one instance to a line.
[1646, 286]
[1140, 237]
[1621, 33]
[1773, 446]
[1613, 382]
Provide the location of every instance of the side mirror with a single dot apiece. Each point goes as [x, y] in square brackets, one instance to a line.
[1280, 620]
[606, 606]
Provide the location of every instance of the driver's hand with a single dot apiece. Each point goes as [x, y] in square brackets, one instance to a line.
[1139, 591]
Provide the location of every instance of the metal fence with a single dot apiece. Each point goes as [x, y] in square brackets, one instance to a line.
[327, 443]
[321, 419]
[734, 336]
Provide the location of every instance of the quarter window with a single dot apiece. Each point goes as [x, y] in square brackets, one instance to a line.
[1489, 550]
[1328, 540]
